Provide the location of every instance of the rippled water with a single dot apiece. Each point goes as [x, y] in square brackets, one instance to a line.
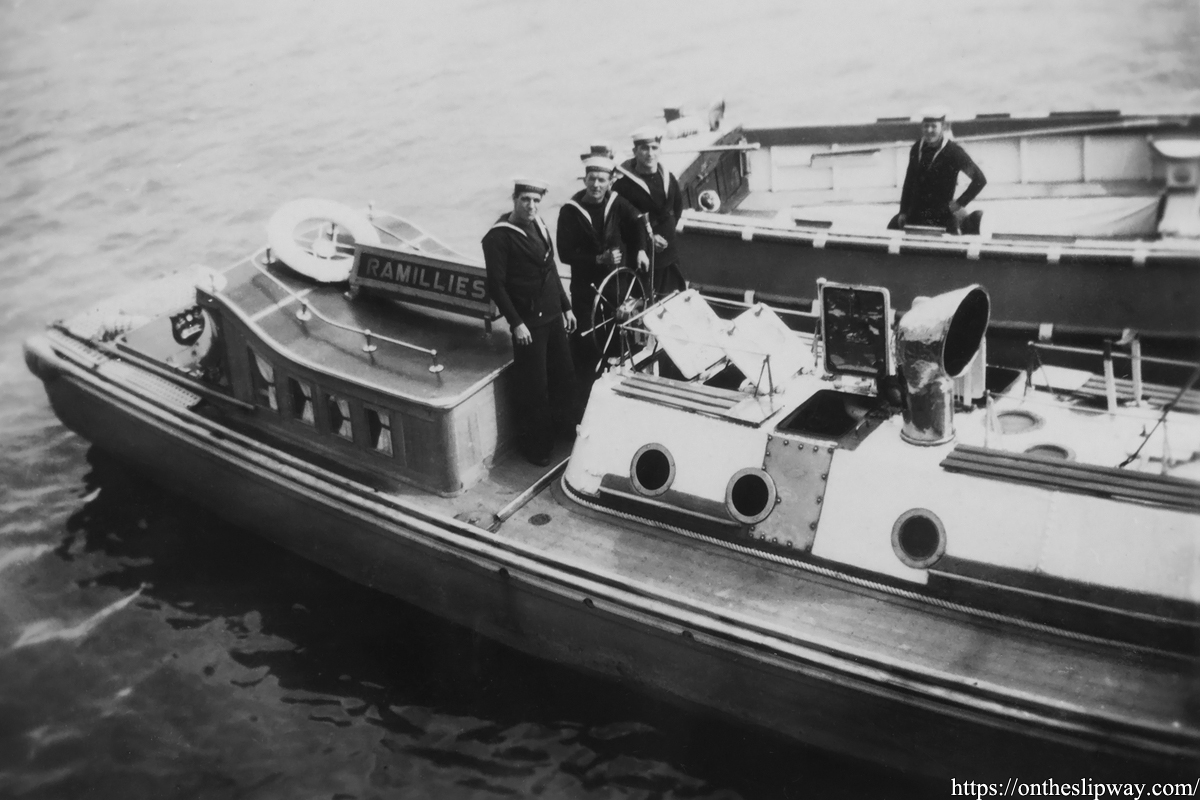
[147, 649]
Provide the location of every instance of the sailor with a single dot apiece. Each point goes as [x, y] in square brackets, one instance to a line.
[653, 190]
[933, 166]
[598, 231]
[522, 277]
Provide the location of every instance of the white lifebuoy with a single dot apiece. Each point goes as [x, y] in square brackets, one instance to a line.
[321, 263]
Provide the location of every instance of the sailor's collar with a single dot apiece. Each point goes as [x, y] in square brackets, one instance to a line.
[946, 136]
[629, 170]
[587, 215]
[504, 223]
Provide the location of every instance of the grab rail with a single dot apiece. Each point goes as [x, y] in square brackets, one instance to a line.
[308, 311]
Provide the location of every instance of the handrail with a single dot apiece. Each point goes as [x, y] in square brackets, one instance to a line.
[1062, 348]
[1066, 130]
[777, 310]
[308, 311]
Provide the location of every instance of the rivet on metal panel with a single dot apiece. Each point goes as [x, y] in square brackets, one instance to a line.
[832, 448]
[819, 499]
[768, 452]
[815, 448]
[778, 499]
[789, 542]
[771, 438]
[753, 528]
[774, 540]
[762, 536]
[812, 526]
[785, 443]
[824, 476]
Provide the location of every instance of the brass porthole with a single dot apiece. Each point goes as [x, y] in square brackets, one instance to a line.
[652, 470]
[919, 538]
[750, 495]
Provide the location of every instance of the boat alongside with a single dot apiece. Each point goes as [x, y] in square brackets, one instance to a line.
[1091, 220]
[899, 553]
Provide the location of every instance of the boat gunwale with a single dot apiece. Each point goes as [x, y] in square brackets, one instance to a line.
[1139, 252]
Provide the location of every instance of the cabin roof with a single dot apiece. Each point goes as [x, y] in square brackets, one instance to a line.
[471, 355]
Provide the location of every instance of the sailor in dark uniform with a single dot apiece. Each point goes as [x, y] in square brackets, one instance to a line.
[652, 189]
[523, 280]
[933, 166]
[598, 231]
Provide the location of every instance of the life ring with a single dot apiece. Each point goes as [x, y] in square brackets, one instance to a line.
[318, 258]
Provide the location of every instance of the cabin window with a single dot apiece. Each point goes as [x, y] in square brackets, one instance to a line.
[262, 378]
[379, 426]
[302, 401]
[339, 416]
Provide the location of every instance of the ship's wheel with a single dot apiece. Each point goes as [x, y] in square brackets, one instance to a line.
[620, 296]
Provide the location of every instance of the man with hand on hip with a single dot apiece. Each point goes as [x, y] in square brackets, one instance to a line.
[932, 176]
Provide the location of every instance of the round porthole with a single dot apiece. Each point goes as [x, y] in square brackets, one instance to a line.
[919, 538]
[1018, 421]
[1055, 452]
[750, 495]
[652, 470]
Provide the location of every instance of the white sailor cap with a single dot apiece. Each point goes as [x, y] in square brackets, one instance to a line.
[597, 149]
[935, 114]
[523, 185]
[647, 133]
[599, 164]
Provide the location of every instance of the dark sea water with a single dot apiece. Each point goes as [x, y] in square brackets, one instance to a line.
[147, 650]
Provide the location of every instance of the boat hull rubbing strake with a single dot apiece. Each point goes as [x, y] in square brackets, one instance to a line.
[304, 235]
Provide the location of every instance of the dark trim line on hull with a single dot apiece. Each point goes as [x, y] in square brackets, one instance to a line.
[959, 697]
[1154, 622]
[1064, 251]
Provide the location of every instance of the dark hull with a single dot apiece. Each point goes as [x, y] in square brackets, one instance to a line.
[1092, 296]
[613, 626]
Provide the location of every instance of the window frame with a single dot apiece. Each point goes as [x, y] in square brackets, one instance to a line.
[258, 382]
[393, 419]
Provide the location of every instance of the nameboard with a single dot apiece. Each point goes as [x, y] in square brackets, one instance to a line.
[423, 280]
[856, 329]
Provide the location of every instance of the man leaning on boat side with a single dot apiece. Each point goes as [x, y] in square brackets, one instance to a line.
[653, 190]
[598, 231]
[933, 166]
[522, 276]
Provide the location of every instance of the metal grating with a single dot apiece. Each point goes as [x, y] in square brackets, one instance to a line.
[152, 386]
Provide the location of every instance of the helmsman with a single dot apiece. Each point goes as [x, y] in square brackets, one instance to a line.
[598, 231]
[653, 190]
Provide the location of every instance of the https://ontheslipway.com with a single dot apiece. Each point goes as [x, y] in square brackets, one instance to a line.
[1084, 787]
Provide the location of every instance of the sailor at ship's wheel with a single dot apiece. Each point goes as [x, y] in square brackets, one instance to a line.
[598, 232]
